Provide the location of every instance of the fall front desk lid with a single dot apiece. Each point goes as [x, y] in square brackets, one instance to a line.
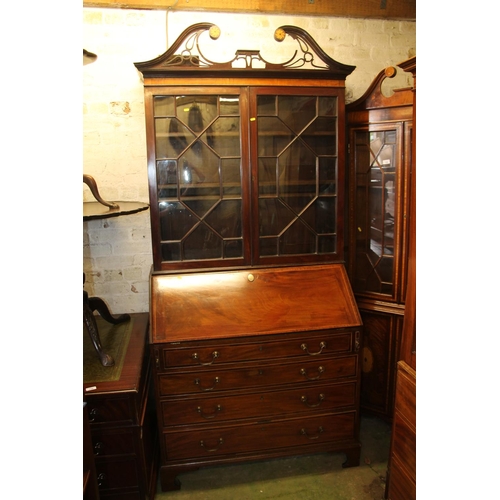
[208, 305]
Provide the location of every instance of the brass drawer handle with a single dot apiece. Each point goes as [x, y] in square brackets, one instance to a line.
[202, 444]
[93, 413]
[304, 433]
[209, 415]
[304, 373]
[98, 448]
[215, 355]
[321, 398]
[198, 382]
[102, 480]
[322, 346]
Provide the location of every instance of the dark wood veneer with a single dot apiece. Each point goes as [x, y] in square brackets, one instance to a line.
[225, 396]
[382, 308]
[255, 334]
[402, 473]
[123, 424]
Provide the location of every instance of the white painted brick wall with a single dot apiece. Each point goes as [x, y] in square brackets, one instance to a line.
[117, 251]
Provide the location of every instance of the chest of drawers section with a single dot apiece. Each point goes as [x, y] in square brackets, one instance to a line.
[247, 397]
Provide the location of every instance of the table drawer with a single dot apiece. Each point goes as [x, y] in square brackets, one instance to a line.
[113, 441]
[208, 410]
[117, 473]
[112, 409]
[319, 344]
[212, 379]
[259, 436]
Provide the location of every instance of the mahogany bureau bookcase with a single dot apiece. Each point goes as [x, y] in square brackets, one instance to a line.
[255, 334]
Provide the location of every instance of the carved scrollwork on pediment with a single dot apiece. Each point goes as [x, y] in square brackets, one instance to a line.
[186, 54]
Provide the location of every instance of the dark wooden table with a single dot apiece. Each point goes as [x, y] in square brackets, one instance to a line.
[122, 416]
[93, 210]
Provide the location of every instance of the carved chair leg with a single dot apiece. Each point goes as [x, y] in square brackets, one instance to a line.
[90, 323]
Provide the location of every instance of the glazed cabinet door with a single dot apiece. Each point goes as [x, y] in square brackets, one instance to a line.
[197, 169]
[245, 175]
[297, 158]
[379, 173]
[380, 163]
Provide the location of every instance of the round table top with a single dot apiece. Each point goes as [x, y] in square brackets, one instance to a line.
[95, 210]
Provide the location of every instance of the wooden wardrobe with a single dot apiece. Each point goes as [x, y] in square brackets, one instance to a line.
[379, 134]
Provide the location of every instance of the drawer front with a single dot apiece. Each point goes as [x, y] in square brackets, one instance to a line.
[201, 354]
[212, 379]
[113, 442]
[259, 436]
[112, 409]
[208, 410]
[119, 473]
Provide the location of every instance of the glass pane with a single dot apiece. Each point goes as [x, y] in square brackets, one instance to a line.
[224, 136]
[200, 207]
[172, 137]
[198, 158]
[199, 165]
[273, 216]
[226, 218]
[175, 220]
[327, 244]
[327, 175]
[320, 136]
[167, 172]
[297, 183]
[375, 210]
[382, 195]
[164, 106]
[267, 176]
[229, 105]
[268, 246]
[196, 112]
[171, 251]
[298, 239]
[296, 111]
[297, 166]
[321, 215]
[274, 136]
[231, 177]
[166, 178]
[266, 105]
[202, 243]
[327, 106]
[233, 249]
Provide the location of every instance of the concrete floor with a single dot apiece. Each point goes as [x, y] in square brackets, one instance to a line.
[311, 477]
